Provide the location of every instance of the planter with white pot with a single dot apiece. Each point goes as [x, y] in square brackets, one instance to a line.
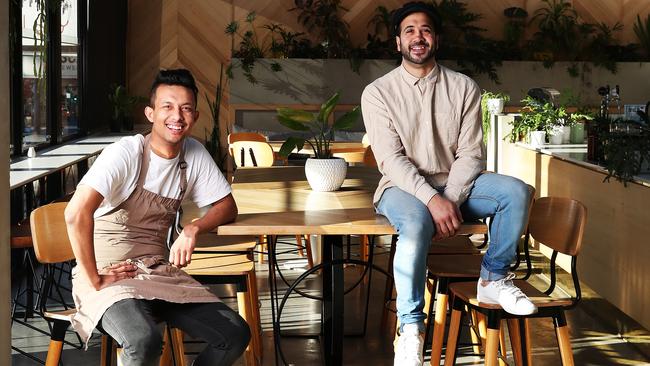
[325, 175]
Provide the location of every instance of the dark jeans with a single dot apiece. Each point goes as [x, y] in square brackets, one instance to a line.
[132, 324]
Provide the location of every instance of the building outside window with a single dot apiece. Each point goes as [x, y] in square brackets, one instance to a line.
[49, 41]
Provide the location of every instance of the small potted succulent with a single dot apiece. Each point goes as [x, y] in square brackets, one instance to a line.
[323, 171]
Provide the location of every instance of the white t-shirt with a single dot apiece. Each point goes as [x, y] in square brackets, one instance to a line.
[114, 174]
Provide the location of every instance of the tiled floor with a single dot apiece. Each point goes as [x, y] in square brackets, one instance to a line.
[601, 335]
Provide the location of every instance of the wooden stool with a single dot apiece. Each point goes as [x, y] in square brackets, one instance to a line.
[559, 224]
[239, 269]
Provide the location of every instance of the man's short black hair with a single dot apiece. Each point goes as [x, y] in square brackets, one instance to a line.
[181, 77]
[416, 7]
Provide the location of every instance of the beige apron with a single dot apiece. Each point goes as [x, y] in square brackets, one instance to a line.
[136, 230]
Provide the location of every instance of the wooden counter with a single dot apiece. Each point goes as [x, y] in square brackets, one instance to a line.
[615, 259]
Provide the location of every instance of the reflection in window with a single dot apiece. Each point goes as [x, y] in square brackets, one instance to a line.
[69, 72]
[34, 27]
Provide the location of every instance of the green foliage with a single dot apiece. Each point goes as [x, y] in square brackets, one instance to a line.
[463, 41]
[626, 146]
[122, 104]
[642, 31]
[213, 142]
[536, 116]
[250, 49]
[317, 124]
[323, 17]
[485, 113]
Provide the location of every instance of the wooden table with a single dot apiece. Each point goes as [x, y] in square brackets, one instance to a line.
[335, 146]
[278, 201]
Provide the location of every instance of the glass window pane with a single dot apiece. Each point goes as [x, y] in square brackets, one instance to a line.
[69, 72]
[34, 75]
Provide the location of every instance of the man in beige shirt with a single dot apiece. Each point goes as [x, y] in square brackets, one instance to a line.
[423, 122]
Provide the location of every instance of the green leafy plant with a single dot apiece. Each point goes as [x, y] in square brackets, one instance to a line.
[642, 31]
[323, 17]
[250, 49]
[317, 124]
[122, 104]
[485, 113]
[463, 41]
[213, 142]
[536, 116]
[626, 146]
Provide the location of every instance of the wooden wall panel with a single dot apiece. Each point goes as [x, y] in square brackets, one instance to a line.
[174, 34]
[190, 33]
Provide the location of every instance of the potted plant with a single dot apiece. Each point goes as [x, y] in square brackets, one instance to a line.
[491, 104]
[324, 173]
[122, 104]
[537, 120]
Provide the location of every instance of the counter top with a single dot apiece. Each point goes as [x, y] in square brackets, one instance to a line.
[577, 154]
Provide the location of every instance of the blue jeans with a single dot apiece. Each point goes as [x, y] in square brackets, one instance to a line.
[131, 323]
[503, 198]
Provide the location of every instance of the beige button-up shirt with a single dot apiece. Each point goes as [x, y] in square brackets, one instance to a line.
[425, 133]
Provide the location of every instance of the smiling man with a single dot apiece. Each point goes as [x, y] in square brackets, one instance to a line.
[424, 124]
[126, 279]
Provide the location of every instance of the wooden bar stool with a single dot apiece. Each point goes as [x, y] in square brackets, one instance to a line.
[559, 224]
[52, 246]
[238, 269]
[459, 244]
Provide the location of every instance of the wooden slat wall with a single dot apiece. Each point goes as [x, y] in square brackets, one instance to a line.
[190, 33]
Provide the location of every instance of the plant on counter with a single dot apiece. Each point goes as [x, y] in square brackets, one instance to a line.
[626, 148]
[491, 107]
[123, 105]
[317, 124]
[536, 116]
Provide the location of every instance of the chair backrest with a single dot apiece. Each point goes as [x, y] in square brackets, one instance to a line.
[369, 157]
[246, 136]
[50, 235]
[558, 223]
[252, 153]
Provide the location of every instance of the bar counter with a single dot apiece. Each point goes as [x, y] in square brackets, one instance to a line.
[616, 247]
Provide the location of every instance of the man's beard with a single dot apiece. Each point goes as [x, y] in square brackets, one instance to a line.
[423, 60]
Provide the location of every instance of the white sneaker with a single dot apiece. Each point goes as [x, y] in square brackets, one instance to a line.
[506, 294]
[409, 347]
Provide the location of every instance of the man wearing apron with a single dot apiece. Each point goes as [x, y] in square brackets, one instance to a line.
[125, 280]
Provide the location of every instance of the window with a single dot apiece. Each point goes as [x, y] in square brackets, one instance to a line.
[47, 73]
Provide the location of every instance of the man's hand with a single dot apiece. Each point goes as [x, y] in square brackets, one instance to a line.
[181, 251]
[446, 216]
[114, 273]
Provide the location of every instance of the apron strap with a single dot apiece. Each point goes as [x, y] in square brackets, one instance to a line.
[144, 166]
[182, 165]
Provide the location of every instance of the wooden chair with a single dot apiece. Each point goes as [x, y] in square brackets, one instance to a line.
[52, 246]
[227, 260]
[559, 224]
[252, 153]
[252, 136]
[258, 153]
[219, 268]
[457, 245]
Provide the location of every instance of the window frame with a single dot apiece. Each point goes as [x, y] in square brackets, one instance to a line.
[54, 81]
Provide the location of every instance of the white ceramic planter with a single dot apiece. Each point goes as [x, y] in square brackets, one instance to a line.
[555, 136]
[566, 134]
[325, 175]
[495, 105]
[537, 138]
